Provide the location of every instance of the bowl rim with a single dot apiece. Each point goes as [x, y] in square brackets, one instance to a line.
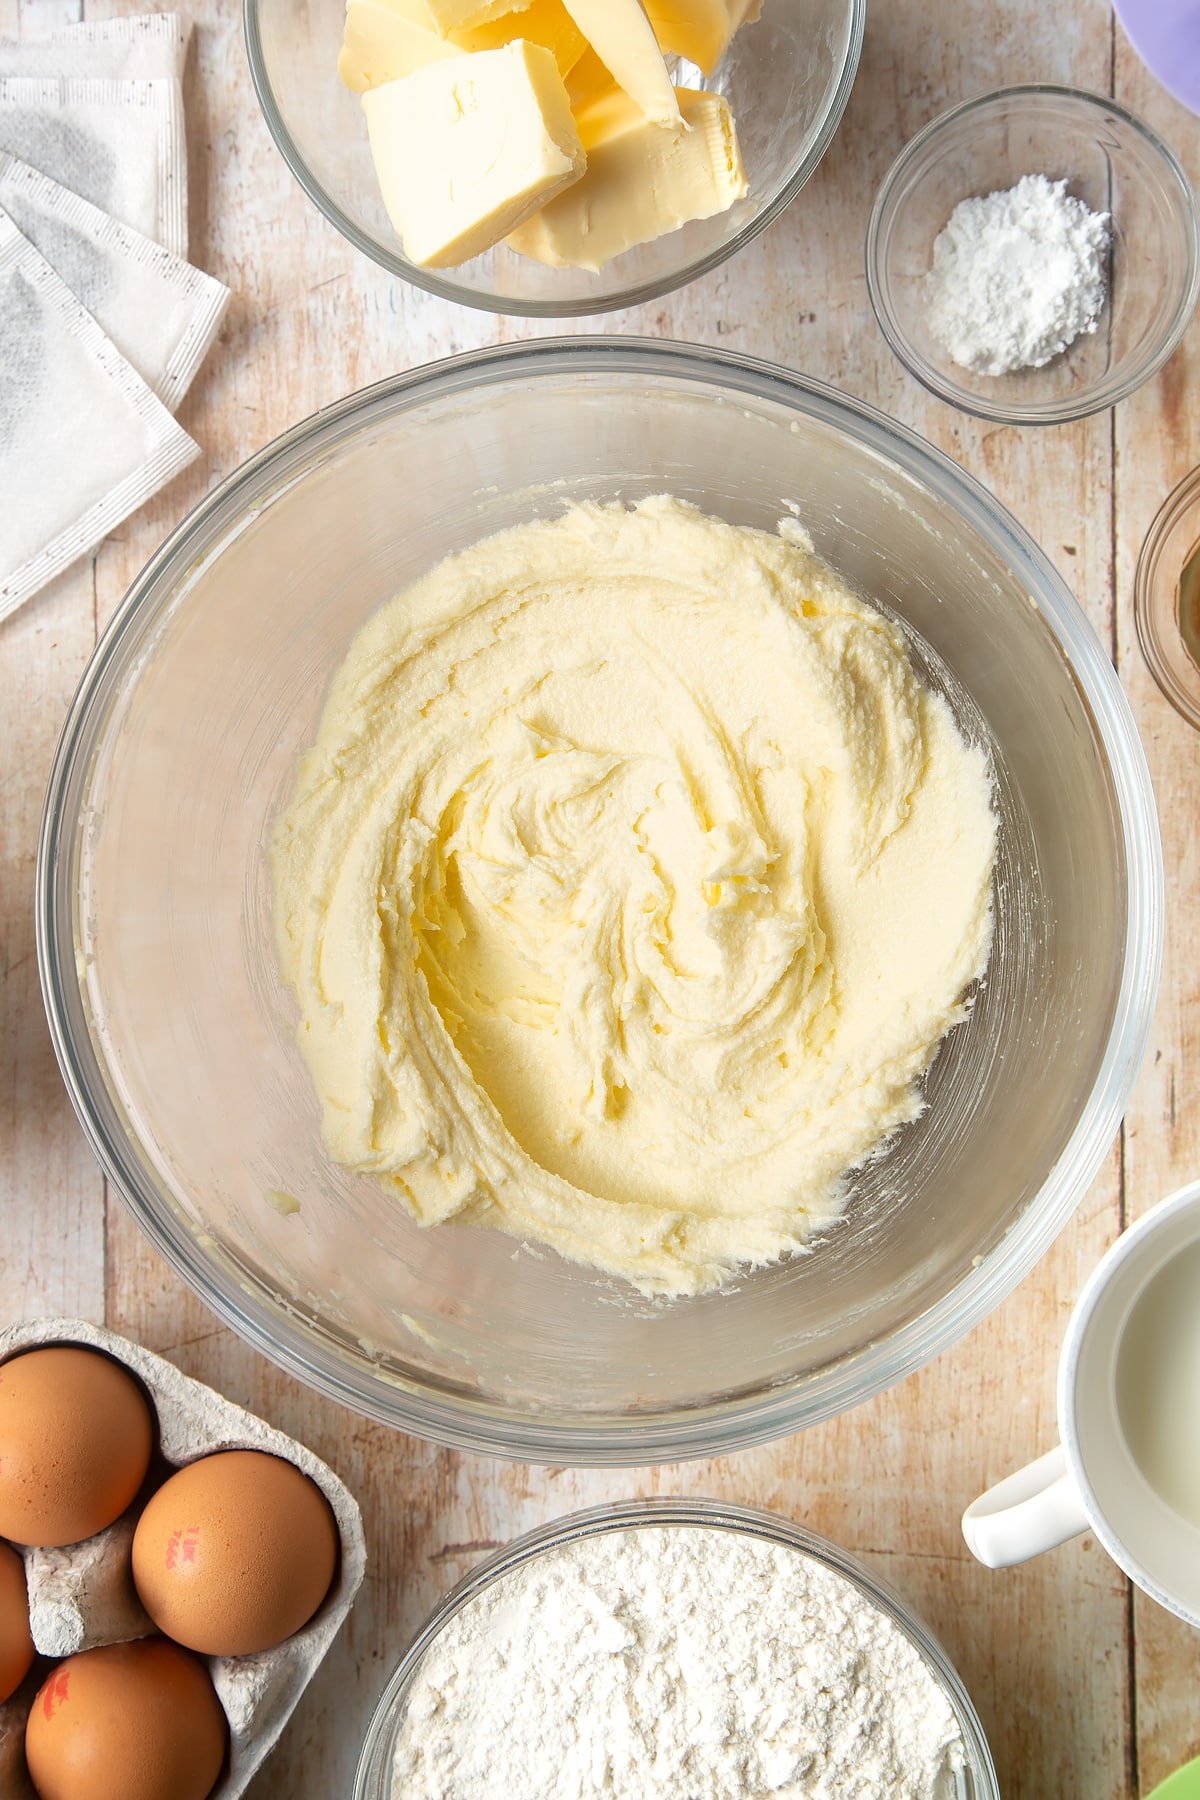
[371, 1780]
[467, 1421]
[1065, 409]
[1158, 637]
[637, 294]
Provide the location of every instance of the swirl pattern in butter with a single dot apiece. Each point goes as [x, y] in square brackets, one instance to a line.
[629, 887]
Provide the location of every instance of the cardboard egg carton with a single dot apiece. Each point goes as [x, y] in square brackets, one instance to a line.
[83, 1595]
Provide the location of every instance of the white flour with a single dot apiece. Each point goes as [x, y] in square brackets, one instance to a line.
[1017, 277]
[674, 1664]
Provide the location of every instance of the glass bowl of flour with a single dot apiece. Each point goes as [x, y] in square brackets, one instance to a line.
[658, 1648]
[1033, 255]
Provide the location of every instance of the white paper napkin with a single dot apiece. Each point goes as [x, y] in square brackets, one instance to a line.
[146, 47]
[119, 144]
[161, 314]
[83, 441]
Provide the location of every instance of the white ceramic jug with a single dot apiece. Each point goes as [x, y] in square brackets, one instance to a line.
[1128, 1465]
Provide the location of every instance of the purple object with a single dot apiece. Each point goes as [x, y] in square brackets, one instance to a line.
[1166, 35]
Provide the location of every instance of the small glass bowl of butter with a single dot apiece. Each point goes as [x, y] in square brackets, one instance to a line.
[783, 79]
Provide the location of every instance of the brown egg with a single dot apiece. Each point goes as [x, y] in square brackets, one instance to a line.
[75, 1439]
[235, 1553]
[126, 1722]
[16, 1645]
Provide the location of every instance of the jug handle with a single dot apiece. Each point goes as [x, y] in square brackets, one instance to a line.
[1034, 1510]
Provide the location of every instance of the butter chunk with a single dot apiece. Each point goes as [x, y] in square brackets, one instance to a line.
[447, 16]
[545, 22]
[587, 80]
[700, 30]
[380, 44]
[641, 181]
[620, 34]
[466, 150]
[385, 40]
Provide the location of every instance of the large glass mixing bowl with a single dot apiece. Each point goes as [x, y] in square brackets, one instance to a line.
[176, 1037]
[787, 77]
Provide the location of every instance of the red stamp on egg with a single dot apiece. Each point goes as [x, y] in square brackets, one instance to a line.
[182, 1546]
[55, 1692]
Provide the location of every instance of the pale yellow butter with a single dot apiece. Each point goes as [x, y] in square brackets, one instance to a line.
[545, 22]
[447, 16]
[627, 889]
[641, 181]
[620, 34]
[699, 29]
[466, 150]
[381, 44]
[385, 41]
[587, 80]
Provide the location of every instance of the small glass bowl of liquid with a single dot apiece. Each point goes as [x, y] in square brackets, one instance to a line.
[1167, 598]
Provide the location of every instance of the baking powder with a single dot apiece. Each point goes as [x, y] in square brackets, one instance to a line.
[674, 1663]
[1017, 276]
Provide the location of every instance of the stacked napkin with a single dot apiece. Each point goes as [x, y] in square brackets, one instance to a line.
[104, 322]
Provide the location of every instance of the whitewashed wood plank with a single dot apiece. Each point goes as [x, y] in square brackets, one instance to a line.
[1044, 1650]
[51, 1193]
[886, 1477]
[37, 18]
[1157, 442]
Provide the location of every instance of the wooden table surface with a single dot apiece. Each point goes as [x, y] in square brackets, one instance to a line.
[1086, 1689]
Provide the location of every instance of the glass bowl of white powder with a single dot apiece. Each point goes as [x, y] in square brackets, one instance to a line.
[661, 1648]
[1033, 255]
